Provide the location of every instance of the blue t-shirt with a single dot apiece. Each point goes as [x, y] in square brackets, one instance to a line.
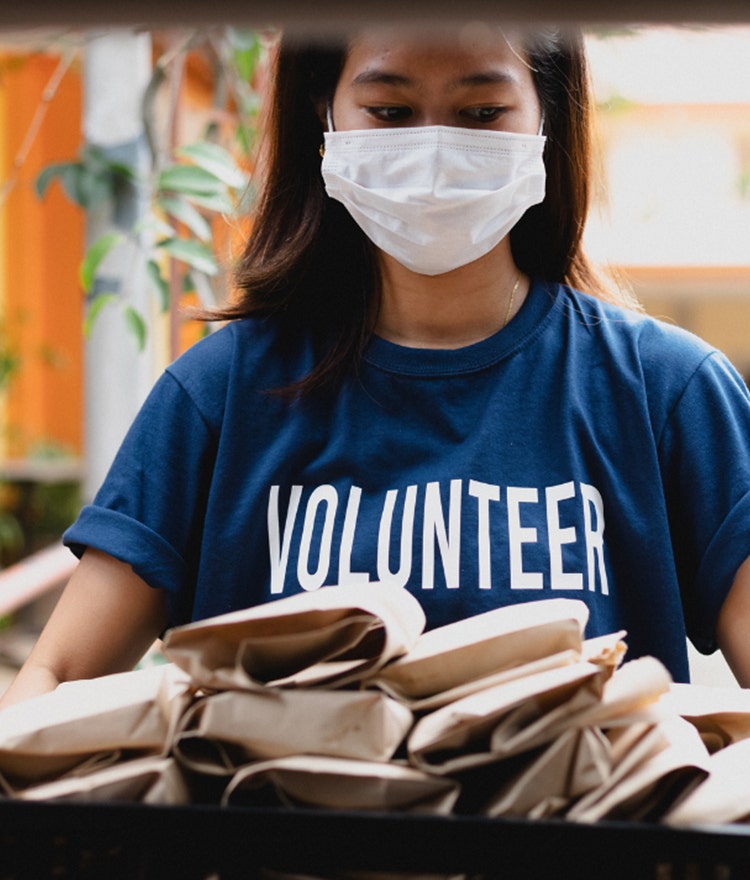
[582, 451]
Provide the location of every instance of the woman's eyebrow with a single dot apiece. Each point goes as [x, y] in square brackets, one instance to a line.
[384, 77]
[483, 78]
[389, 78]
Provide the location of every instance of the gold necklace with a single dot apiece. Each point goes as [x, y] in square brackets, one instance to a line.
[510, 300]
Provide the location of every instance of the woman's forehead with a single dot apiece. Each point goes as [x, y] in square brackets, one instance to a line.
[469, 51]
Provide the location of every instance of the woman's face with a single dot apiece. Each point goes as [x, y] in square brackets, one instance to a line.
[388, 81]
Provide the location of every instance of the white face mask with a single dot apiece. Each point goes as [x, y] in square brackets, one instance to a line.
[434, 197]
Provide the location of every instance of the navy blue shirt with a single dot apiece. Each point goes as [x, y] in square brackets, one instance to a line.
[583, 451]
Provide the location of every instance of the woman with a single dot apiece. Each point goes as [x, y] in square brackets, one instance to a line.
[415, 391]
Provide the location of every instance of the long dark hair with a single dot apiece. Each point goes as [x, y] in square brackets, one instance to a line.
[307, 261]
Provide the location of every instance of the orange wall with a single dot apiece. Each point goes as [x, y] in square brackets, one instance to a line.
[42, 249]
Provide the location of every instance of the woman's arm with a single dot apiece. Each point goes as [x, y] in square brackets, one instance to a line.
[733, 626]
[106, 619]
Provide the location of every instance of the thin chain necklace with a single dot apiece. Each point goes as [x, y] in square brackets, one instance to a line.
[511, 299]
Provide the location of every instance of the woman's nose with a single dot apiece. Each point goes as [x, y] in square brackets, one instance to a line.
[436, 117]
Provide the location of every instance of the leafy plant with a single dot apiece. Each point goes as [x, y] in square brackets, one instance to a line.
[9, 363]
[90, 180]
[12, 539]
[193, 189]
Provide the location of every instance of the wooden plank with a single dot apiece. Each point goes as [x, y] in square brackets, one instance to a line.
[33, 577]
[333, 15]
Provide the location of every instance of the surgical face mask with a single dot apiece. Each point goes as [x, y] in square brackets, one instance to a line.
[434, 197]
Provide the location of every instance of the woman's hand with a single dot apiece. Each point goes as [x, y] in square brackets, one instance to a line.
[106, 619]
[733, 626]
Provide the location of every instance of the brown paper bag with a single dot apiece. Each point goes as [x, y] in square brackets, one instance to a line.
[476, 647]
[607, 650]
[274, 723]
[721, 714]
[148, 780]
[335, 635]
[632, 744]
[629, 694]
[625, 697]
[663, 767]
[724, 796]
[543, 718]
[341, 784]
[436, 701]
[461, 735]
[632, 694]
[49, 734]
[574, 764]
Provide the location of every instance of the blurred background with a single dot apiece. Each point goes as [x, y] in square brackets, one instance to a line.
[126, 162]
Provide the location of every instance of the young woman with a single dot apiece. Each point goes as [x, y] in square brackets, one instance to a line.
[424, 384]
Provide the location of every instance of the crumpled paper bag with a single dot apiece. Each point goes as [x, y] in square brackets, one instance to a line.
[493, 724]
[723, 797]
[451, 656]
[341, 784]
[148, 780]
[633, 694]
[654, 771]
[49, 734]
[221, 731]
[572, 765]
[333, 636]
[720, 714]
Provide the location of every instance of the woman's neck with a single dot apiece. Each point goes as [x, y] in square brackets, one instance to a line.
[451, 310]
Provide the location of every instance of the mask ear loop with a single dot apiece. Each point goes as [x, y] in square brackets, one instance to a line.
[329, 120]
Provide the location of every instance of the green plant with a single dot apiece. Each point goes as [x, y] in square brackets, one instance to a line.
[88, 181]
[192, 188]
[12, 540]
[9, 363]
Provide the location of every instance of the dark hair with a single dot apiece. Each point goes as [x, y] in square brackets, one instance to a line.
[308, 262]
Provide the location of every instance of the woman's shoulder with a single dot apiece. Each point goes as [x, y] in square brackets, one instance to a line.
[255, 353]
[654, 340]
[225, 359]
[660, 356]
[222, 350]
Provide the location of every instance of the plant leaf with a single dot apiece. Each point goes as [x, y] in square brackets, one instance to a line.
[152, 225]
[48, 174]
[136, 325]
[153, 270]
[219, 203]
[97, 161]
[96, 305]
[196, 255]
[189, 180]
[246, 49]
[91, 188]
[186, 213]
[94, 256]
[86, 183]
[216, 160]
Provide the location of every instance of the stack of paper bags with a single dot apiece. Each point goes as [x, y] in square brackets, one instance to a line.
[284, 716]
[107, 738]
[338, 699]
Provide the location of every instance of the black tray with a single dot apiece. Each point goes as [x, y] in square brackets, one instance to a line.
[108, 841]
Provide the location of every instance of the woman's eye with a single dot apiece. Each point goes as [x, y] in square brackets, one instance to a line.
[389, 114]
[483, 114]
